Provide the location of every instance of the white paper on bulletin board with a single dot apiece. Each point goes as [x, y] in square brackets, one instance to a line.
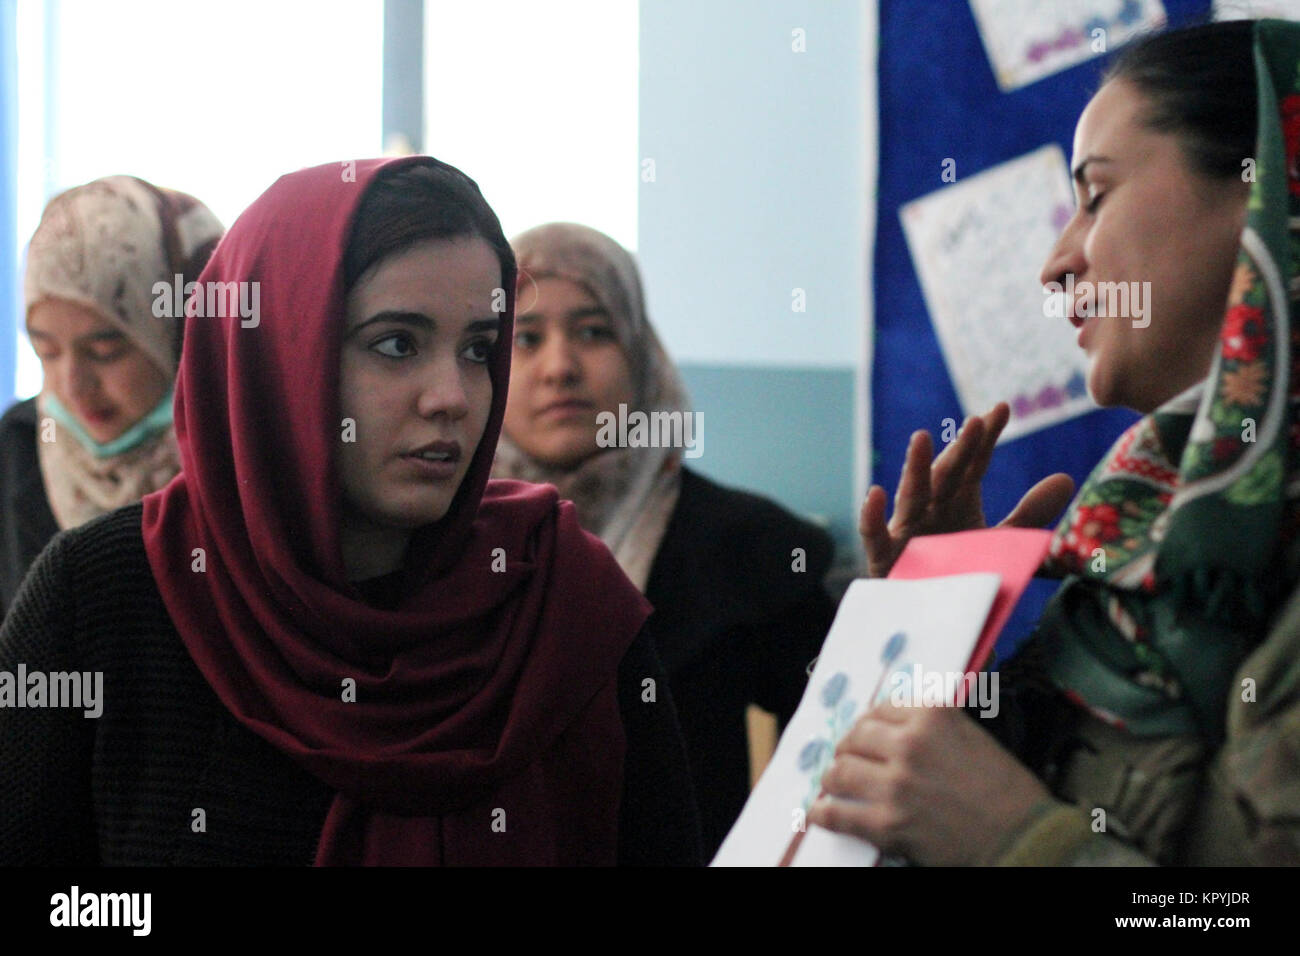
[1027, 40]
[979, 246]
[1256, 9]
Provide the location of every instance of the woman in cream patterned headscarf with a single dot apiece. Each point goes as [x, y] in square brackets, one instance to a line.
[624, 495]
[585, 349]
[100, 432]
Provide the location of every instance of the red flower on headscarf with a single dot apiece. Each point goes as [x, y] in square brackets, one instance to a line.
[1225, 449]
[1290, 109]
[1244, 333]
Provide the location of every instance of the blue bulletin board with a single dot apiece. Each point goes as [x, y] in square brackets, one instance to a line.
[940, 99]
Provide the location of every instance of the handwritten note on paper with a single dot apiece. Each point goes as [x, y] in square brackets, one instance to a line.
[886, 634]
[1256, 10]
[1027, 40]
[979, 246]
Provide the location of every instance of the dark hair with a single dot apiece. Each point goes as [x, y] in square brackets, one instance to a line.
[413, 203]
[1200, 86]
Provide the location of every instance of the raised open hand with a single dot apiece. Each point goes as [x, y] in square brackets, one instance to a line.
[941, 495]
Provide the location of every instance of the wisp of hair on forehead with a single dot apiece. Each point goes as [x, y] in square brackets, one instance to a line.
[416, 203]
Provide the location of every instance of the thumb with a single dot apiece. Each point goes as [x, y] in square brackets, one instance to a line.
[1042, 503]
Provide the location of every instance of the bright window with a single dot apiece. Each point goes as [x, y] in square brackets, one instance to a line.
[217, 99]
[537, 102]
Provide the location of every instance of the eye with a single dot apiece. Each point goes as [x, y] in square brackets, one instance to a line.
[479, 351]
[596, 332]
[1094, 202]
[396, 345]
[526, 339]
[109, 350]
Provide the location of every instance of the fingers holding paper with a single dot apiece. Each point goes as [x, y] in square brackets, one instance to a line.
[928, 783]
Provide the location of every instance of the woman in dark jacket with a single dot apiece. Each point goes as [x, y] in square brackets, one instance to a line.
[99, 435]
[735, 580]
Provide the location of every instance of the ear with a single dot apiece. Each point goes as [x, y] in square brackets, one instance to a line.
[1228, 206]
[1241, 196]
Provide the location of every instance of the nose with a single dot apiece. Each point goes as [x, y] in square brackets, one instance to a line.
[558, 362]
[1066, 256]
[443, 391]
[76, 380]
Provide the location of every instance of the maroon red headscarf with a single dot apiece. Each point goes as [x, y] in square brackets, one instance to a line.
[485, 726]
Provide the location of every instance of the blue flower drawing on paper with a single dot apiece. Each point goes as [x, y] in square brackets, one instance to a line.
[889, 656]
[817, 754]
[900, 684]
[846, 709]
[834, 689]
[813, 754]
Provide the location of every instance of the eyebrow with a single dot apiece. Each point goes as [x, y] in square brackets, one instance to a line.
[586, 312]
[1083, 166]
[104, 336]
[421, 321]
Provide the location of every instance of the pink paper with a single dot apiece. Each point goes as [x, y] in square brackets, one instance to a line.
[1013, 553]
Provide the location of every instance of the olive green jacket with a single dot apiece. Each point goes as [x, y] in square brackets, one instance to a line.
[1119, 805]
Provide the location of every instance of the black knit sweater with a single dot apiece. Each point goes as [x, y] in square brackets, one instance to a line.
[123, 788]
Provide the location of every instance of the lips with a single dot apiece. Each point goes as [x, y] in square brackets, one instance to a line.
[98, 416]
[1070, 314]
[438, 461]
[567, 406]
[1075, 321]
[439, 451]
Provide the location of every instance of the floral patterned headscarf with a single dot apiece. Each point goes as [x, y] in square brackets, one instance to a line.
[1179, 537]
[105, 246]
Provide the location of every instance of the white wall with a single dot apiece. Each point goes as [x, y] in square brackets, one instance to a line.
[761, 178]
[759, 120]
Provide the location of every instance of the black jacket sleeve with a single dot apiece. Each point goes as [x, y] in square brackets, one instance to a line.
[26, 524]
[46, 815]
[658, 821]
[784, 647]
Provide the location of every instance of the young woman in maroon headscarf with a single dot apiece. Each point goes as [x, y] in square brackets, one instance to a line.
[331, 638]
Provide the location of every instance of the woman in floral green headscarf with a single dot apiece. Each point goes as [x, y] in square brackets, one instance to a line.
[1155, 712]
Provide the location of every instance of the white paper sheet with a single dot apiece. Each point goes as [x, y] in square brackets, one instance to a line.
[882, 627]
[1027, 40]
[979, 247]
